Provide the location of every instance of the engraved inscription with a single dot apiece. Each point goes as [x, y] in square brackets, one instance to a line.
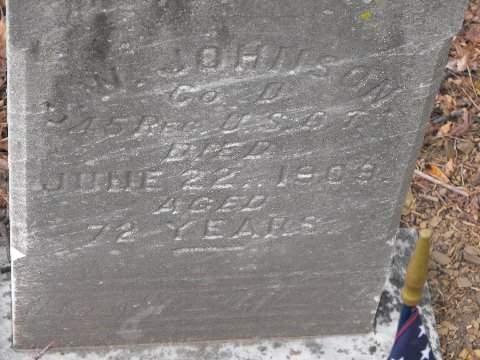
[253, 99]
[201, 205]
[240, 230]
[241, 58]
[293, 177]
[101, 181]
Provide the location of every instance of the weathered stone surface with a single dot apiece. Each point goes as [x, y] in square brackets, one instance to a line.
[375, 345]
[203, 170]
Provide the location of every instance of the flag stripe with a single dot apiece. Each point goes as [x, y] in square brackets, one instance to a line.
[407, 324]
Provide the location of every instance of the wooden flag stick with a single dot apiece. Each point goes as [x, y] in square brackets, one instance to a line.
[417, 270]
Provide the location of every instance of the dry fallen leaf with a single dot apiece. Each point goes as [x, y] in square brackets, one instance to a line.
[462, 64]
[447, 103]
[435, 171]
[445, 129]
[473, 33]
[462, 127]
[450, 168]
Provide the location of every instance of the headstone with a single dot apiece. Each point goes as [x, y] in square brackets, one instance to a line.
[206, 170]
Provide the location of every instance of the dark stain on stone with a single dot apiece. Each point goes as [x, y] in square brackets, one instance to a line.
[262, 349]
[68, 10]
[157, 9]
[102, 4]
[179, 12]
[152, 17]
[87, 70]
[167, 15]
[101, 32]
[394, 36]
[315, 348]
[107, 78]
[35, 49]
[223, 33]
[372, 349]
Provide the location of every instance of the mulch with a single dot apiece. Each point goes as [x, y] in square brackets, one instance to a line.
[451, 155]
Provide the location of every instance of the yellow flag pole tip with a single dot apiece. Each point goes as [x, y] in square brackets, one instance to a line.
[417, 270]
[425, 234]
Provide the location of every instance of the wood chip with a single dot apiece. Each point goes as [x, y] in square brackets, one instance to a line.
[440, 258]
[476, 179]
[409, 203]
[464, 354]
[471, 255]
[466, 147]
[472, 250]
[435, 221]
[463, 283]
[449, 234]
[472, 259]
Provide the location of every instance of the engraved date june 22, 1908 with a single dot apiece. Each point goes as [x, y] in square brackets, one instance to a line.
[303, 176]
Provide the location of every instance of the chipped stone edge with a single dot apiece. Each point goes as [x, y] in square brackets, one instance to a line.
[17, 95]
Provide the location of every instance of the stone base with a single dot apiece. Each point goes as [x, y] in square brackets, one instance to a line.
[375, 345]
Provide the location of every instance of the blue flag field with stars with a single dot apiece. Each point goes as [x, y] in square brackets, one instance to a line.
[411, 341]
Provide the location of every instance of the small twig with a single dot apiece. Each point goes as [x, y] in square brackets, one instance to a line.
[441, 183]
[43, 351]
[470, 98]
[468, 223]
[471, 82]
[428, 197]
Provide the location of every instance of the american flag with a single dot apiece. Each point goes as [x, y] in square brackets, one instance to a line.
[411, 341]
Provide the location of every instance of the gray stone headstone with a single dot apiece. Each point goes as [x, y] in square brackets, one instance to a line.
[209, 170]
